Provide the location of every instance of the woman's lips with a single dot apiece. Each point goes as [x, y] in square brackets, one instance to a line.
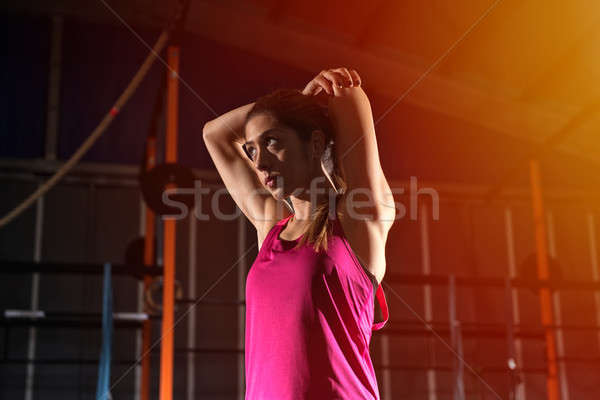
[270, 181]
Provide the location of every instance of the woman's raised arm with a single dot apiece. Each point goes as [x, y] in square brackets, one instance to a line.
[356, 144]
[224, 138]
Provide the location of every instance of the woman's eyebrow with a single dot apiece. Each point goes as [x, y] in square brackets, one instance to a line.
[261, 135]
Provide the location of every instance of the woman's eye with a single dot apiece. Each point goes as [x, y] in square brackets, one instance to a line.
[271, 141]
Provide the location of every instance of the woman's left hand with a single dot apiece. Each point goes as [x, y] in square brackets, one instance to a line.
[329, 79]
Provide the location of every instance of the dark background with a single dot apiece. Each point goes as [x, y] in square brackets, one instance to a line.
[90, 218]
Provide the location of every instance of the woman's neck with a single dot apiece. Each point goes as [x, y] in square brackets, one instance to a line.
[303, 209]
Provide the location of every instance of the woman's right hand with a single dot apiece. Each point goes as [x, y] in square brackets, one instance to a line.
[326, 79]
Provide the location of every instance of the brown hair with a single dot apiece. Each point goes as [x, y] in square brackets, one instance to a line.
[304, 115]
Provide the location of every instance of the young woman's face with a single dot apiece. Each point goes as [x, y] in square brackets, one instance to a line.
[277, 151]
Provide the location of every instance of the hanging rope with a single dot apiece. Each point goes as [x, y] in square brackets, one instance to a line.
[96, 133]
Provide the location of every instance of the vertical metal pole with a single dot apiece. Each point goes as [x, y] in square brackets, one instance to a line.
[520, 392]
[427, 303]
[241, 295]
[456, 341]
[510, 341]
[191, 331]
[460, 378]
[140, 308]
[543, 274]
[52, 112]
[166, 350]
[387, 373]
[560, 343]
[595, 268]
[149, 257]
[35, 290]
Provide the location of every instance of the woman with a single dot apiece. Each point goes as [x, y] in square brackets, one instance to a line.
[294, 162]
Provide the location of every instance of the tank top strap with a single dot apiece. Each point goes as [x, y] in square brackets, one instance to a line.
[274, 232]
[284, 220]
[380, 296]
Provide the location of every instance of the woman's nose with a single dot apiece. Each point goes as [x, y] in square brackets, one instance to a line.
[260, 161]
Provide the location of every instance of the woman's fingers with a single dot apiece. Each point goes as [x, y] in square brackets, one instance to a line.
[344, 71]
[329, 79]
[311, 89]
[337, 78]
[324, 82]
[355, 77]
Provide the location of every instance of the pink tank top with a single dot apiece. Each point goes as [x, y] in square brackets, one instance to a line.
[309, 319]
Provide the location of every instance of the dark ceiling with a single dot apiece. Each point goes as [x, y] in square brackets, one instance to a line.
[525, 70]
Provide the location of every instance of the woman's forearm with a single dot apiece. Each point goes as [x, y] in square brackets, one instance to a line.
[228, 127]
